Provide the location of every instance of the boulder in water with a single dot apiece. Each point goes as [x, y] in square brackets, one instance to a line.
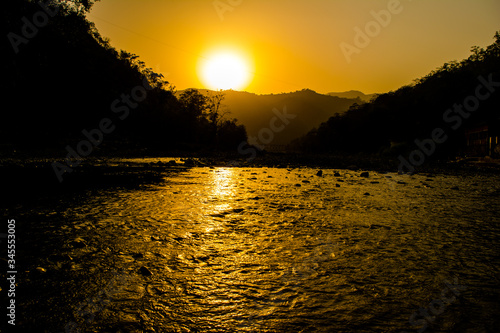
[145, 271]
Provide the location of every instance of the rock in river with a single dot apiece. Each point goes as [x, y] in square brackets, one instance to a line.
[40, 270]
[145, 271]
[78, 243]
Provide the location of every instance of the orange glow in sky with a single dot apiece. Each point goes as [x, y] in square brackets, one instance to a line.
[287, 45]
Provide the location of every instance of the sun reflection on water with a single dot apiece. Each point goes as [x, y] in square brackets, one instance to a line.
[223, 183]
[247, 249]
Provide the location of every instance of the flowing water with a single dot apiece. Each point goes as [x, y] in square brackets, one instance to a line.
[266, 250]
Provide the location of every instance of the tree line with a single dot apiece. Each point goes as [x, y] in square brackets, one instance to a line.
[65, 76]
[390, 123]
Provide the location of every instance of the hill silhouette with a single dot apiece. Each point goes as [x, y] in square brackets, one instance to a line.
[64, 79]
[454, 98]
[309, 108]
[354, 94]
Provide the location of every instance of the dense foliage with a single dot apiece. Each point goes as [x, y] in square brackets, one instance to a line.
[391, 122]
[60, 76]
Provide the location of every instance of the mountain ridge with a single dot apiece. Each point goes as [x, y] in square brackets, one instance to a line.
[354, 94]
[255, 111]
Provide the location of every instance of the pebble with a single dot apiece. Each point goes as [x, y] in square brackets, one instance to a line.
[78, 243]
[145, 271]
[40, 270]
[365, 174]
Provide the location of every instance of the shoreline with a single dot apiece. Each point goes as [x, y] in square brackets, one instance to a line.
[29, 179]
[168, 162]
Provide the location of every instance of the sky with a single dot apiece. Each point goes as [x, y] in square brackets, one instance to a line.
[374, 46]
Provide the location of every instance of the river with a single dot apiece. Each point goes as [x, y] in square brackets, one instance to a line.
[214, 249]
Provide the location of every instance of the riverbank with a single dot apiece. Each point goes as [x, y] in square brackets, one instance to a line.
[153, 162]
[28, 178]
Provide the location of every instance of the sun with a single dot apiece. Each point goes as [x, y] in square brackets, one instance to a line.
[224, 70]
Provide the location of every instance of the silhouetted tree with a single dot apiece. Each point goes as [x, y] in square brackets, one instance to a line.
[214, 112]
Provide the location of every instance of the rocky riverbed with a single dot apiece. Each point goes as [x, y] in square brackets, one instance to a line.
[200, 248]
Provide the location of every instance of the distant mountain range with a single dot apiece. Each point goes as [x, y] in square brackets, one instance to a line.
[310, 108]
[354, 94]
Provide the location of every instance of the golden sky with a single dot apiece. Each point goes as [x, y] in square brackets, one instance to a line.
[323, 45]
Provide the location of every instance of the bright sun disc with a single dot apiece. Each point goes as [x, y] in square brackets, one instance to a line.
[224, 71]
